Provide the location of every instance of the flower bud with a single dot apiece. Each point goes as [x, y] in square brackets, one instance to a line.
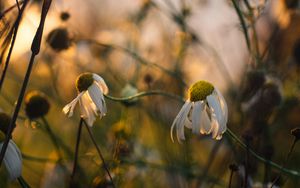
[64, 16]
[148, 79]
[59, 39]
[128, 91]
[233, 167]
[296, 133]
[36, 105]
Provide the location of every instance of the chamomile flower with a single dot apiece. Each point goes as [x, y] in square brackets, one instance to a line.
[91, 88]
[205, 111]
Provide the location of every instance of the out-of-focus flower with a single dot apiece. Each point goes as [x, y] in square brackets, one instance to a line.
[205, 111]
[13, 158]
[128, 91]
[59, 39]
[91, 88]
[36, 105]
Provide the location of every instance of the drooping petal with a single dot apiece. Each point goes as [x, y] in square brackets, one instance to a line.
[215, 105]
[216, 133]
[87, 109]
[181, 121]
[69, 108]
[99, 80]
[95, 94]
[205, 122]
[196, 117]
[223, 105]
[177, 118]
[13, 160]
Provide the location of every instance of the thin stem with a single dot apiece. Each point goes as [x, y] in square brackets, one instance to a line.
[14, 36]
[23, 182]
[35, 48]
[246, 165]
[286, 161]
[99, 152]
[9, 9]
[254, 154]
[77, 149]
[145, 93]
[230, 178]
[243, 23]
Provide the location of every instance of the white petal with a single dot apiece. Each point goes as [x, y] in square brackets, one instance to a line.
[69, 108]
[215, 105]
[216, 133]
[223, 105]
[87, 109]
[13, 160]
[181, 121]
[99, 80]
[188, 123]
[177, 118]
[205, 122]
[95, 94]
[196, 117]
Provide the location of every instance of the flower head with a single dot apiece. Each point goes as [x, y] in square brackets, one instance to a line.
[205, 111]
[91, 88]
[59, 39]
[12, 158]
[36, 104]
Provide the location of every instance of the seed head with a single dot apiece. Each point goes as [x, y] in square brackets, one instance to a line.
[296, 133]
[233, 167]
[36, 105]
[84, 81]
[200, 90]
[64, 16]
[59, 39]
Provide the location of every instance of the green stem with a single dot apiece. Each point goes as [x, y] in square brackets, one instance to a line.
[243, 22]
[99, 153]
[254, 154]
[145, 93]
[23, 183]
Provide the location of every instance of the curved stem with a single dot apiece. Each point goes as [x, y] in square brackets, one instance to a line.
[145, 93]
[254, 154]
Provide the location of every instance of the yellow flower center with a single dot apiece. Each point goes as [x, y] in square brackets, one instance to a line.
[84, 81]
[200, 90]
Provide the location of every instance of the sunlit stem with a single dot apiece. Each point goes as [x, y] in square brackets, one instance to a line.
[99, 153]
[145, 93]
[77, 149]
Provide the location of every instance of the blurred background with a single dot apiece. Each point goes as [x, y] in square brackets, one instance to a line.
[251, 52]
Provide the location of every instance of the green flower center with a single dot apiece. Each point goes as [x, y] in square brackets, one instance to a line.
[84, 81]
[200, 90]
